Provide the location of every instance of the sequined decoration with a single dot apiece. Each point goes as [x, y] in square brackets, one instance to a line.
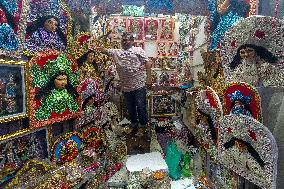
[49, 7]
[221, 23]
[83, 6]
[8, 38]
[237, 95]
[57, 101]
[42, 40]
[53, 89]
[257, 71]
[42, 8]
[248, 148]
[53, 67]
[156, 6]
[10, 5]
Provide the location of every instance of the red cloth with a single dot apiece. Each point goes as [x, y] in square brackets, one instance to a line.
[3, 18]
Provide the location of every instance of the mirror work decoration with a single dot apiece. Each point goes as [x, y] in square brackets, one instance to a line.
[53, 90]
[13, 95]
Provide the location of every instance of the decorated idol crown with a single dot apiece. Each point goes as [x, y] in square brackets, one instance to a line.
[88, 88]
[43, 8]
[61, 65]
[238, 96]
[11, 6]
[261, 31]
[209, 105]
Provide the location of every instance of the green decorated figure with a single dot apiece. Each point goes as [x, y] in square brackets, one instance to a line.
[173, 158]
[185, 171]
[57, 87]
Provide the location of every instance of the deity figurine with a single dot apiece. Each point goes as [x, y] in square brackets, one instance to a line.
[10, 96]
[57, 82]
[90, 95]
[135, 27]
[255, 65]
[69, 151]
[240, 104]
[154, 77]
[164, 78]
[11, 105]
[166, 30]
[151, 27]
[206, 129]
[185, 171]
[45, 33]
[88, 67]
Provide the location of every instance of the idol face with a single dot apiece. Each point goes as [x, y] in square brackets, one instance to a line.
[247, 53]
[60, 82]
[51, 25]
[91, 57]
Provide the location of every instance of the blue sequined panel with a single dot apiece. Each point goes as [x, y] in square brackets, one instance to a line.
[8, 39]
[221, 23]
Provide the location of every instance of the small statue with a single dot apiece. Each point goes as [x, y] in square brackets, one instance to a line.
[173, 158]
[185, 171]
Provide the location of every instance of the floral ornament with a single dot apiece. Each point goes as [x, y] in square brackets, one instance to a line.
[249, 149]
[242, 98]
[237, 95]
[66, 148]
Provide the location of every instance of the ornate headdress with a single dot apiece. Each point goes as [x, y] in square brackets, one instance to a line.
[208, 106]
[11, 6]
[237, 95]
[209, 103]
[245, 93]
[88, 88]
[261, 31]
[53, 67]
[80, 45]
[261, 149]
